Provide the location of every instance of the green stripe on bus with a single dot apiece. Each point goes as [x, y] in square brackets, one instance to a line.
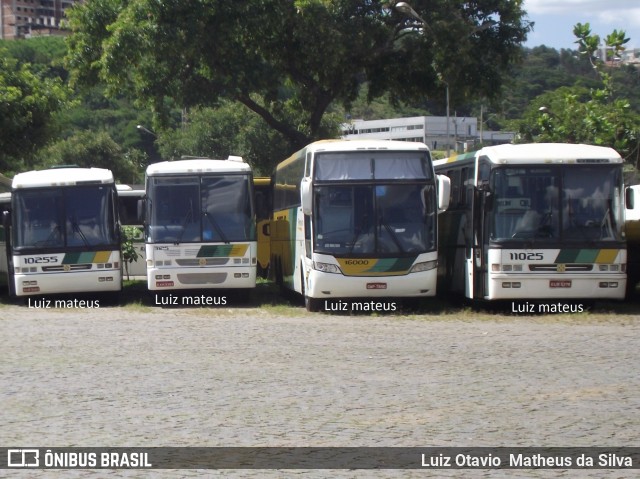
[87, 257]
[387, 265]
[71, 258]
[581, 256]
[218, 251]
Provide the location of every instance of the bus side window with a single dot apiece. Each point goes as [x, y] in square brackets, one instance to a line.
[464, 185]
[454, 175]
[484, 170]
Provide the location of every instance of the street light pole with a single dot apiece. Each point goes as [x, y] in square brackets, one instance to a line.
[448, 137]
[406, 9]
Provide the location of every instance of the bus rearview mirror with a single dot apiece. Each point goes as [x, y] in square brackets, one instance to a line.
[141, 210]
[305, 196]
[444, 193]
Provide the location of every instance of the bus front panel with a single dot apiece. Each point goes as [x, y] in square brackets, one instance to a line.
[195, 266]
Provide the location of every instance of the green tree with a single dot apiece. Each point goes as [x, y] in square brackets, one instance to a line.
[288, 61]
[576, 114]
[227, 130]
[129, 251]
[87, 108]
[27, 103]
[95, 149]
[45, 55]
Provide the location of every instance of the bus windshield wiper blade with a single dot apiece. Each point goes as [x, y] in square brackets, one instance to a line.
[184, 224]
[75, 227]
[393, 235]
[216, 227]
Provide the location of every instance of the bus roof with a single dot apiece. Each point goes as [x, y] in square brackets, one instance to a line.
[199, 165]
[62, 177]
[542, 153]
[354, 145]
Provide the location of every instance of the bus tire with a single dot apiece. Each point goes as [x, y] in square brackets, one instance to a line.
[312, 305]
[11, 285]
[242, 295]
[279, 276]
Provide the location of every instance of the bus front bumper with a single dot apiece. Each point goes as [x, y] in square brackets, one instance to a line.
[588, 287]
[68, 282]
[330, 285]
[163, 279]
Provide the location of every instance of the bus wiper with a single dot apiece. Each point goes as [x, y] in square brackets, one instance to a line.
[55, 231]
[75, 227]
[216, 227]
[606, 225]
[545, 226]
[392, 233]
[185, 223]
[355, 238]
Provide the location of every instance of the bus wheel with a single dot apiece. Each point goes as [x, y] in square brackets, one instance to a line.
[279, 276]
[242, 295]
[312, 304]
[11, 286]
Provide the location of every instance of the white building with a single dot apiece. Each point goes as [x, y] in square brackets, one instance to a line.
[461, 134]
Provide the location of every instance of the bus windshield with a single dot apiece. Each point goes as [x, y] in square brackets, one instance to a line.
[80, 216]
[198, 209]
[379, 219]
[556, 203]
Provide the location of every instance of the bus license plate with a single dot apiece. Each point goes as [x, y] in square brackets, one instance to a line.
[559, 284]
[376, 285]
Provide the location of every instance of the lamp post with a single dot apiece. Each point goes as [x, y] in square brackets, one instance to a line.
[407, 10]
[446, 84]
[147, 131]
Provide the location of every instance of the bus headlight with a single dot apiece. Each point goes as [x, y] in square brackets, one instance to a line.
[426, 266]
[326, 267]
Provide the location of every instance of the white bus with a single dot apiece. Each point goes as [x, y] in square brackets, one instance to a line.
[356, 219]
[65, 233]
[129, 198]
[5, 207]
[538, 221]
[200, 225]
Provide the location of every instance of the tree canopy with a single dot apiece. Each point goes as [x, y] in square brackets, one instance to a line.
[597, 115]
[288, 60]
[27, 102]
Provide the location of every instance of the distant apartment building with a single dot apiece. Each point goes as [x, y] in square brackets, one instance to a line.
[631, 56]
[461, 133]
[28, 18]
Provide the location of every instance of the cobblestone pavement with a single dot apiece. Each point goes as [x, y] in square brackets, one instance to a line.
[139, 376]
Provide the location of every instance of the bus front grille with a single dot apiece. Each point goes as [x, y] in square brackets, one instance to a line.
[202, 262]
[560, 268]
[202, 278]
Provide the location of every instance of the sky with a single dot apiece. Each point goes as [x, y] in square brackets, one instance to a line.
[554, 20]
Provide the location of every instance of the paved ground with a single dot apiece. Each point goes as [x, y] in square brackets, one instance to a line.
[224, 376]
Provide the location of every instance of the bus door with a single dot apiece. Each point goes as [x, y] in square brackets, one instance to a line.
[481, 204]
[6, 261]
